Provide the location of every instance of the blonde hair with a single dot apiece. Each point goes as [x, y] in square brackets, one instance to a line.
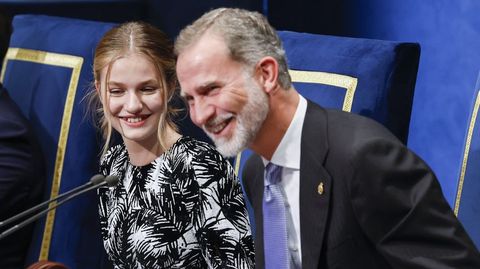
[248, 36]
[144, 39]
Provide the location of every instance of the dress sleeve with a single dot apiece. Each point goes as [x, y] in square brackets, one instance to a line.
[400, 206]
[223, 228]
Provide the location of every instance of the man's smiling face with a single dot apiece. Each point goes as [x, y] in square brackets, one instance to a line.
[224, 99]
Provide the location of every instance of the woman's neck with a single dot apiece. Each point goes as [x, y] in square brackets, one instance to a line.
[144, 152]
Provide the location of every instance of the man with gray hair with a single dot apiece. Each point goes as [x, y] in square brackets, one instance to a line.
[329, 189]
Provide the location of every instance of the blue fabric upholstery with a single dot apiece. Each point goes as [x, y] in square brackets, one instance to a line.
[374, 78]
[47, 72]
[467, 202]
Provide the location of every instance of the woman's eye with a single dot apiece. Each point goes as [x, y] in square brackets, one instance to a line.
[115, 91]
[148, 89]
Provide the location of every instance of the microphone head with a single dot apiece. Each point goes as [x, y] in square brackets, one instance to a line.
[97, 179]
[112, 180]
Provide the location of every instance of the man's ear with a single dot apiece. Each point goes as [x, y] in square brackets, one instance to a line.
[267, 71]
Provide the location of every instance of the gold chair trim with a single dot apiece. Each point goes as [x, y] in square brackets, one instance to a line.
[468, 142]
[61, 60]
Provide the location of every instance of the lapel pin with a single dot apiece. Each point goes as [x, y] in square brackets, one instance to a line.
[320, 188]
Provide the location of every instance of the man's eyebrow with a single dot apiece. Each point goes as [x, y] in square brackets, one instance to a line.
[200, 89]
[206, 86]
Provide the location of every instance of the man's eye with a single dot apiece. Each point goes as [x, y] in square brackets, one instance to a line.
[213, 88]
[188, 99]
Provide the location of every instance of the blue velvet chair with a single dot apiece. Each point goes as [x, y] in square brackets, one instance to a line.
[47, 72]
[467, 202]
[374, 78]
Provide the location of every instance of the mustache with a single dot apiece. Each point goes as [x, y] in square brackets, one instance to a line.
[217, 120]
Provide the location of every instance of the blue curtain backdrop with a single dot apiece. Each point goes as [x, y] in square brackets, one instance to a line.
[449, 35]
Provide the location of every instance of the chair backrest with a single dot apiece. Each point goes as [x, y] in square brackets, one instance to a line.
[374, 78]
[47, 72]
[467, 202]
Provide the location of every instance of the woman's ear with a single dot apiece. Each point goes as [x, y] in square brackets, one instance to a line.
[267, 70]
[98, 90]
[97, 86]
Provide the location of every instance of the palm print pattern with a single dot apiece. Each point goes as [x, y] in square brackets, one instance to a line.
[183, 210]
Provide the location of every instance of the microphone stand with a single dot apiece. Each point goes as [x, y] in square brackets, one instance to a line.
[93, 184]
[96, 179]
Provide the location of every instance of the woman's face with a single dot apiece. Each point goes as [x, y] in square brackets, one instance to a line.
[134, 98]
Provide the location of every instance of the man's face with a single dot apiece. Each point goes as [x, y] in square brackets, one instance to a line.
[224, 99]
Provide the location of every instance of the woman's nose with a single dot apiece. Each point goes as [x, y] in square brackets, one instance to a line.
[134, 104]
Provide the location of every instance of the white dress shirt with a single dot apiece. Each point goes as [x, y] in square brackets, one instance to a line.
[287, 155]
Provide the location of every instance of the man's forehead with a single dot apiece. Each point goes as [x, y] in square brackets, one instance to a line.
[206, 44]
[204, 57]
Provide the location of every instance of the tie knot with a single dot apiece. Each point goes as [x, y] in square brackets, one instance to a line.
[273, 173]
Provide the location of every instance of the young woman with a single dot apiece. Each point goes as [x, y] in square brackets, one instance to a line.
[178, 203]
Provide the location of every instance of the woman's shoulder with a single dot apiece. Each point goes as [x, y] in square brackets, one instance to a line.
[194, 146]
[114, 154]
[197, 150]
[202, 159]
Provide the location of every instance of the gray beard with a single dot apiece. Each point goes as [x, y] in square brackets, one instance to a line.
[249, 121]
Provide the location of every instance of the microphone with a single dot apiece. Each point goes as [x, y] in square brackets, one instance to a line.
[96, 179]
[95, 182]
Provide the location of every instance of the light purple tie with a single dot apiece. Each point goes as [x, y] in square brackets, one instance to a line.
[274, 221]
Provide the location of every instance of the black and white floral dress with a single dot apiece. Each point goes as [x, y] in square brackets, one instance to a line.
[183, 210]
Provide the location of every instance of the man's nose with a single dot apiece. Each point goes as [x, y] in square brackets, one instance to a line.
[201, 113]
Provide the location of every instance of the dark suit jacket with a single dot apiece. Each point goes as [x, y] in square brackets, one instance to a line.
[21, 178]
[381, 207]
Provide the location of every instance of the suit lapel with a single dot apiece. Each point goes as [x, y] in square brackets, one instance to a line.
[253, 178]
[315, 185]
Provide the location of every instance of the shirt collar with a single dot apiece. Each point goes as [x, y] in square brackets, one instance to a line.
[287, 153]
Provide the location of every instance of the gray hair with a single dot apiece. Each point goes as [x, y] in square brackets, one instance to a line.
[247, 34]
